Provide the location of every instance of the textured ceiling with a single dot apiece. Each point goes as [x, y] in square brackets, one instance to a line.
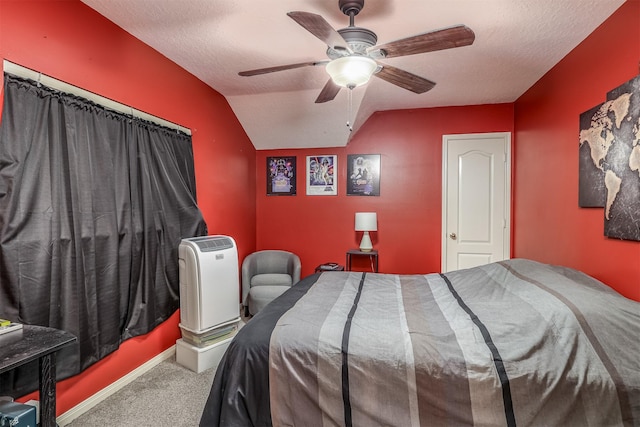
[517, 42]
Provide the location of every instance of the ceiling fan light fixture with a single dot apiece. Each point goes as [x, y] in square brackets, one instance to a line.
[351, 71]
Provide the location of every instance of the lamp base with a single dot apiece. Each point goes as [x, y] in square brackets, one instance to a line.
[365, 243]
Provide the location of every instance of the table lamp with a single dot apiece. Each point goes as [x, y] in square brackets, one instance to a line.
[366, 221]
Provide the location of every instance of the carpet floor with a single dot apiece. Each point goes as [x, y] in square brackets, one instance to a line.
[167, 395]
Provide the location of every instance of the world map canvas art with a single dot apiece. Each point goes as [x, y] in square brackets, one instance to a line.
[610, 160]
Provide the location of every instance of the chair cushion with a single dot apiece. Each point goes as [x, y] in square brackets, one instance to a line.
[271, 279]
[260, 296]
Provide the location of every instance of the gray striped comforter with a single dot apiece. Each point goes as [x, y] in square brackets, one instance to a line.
[510, 343]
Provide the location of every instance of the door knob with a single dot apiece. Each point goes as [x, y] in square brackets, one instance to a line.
[453, 236]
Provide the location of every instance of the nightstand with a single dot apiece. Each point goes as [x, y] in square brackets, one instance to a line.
[373, 258]
[36, 343]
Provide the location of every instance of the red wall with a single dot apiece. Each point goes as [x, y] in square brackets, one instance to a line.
[71, 42]
[320, 228]
[549, 225]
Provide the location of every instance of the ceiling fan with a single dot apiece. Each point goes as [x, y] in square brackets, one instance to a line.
[353, 53]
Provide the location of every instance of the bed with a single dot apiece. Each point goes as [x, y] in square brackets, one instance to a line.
[510, 343]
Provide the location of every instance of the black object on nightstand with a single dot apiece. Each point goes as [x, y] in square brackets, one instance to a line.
[372, 254]
[329, 266]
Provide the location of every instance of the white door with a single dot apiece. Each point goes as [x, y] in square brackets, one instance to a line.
[476, 199]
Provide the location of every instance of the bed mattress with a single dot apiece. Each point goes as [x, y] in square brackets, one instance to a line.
[509, 343]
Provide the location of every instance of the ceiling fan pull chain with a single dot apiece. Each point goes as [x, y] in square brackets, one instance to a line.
[349, 108]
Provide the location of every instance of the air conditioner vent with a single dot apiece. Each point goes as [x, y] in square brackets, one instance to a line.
[209, 244]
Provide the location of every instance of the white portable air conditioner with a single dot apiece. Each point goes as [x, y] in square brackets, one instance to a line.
[209, 283]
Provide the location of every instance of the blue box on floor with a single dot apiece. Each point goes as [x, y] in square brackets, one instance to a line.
[17, 415]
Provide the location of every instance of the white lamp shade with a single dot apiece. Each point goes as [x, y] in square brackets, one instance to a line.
[366, 221]
[351, 71]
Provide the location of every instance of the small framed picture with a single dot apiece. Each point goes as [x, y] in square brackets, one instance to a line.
[281, 176]
[363, 175]
[322, 174]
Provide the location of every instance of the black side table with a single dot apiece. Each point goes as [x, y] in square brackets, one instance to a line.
[36, 342]
[372, 254]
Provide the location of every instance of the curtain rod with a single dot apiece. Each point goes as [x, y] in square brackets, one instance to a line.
[24, 72]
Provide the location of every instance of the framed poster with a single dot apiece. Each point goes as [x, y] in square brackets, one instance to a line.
[281, 176]
[321, 175]
[363, 175]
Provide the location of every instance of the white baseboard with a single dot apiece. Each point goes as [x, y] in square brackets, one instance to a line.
[92, 401]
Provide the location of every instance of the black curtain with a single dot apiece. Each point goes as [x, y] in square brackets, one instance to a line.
[93, 205]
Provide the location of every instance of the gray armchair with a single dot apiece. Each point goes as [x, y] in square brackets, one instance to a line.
[265, 276]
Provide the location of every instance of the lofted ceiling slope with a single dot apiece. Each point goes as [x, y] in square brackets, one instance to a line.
[516, 43]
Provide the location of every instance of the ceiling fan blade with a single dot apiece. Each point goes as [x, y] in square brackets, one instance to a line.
[329, 91]
[404, 79]
[320, 28]
[279, 68]
[446, 38]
